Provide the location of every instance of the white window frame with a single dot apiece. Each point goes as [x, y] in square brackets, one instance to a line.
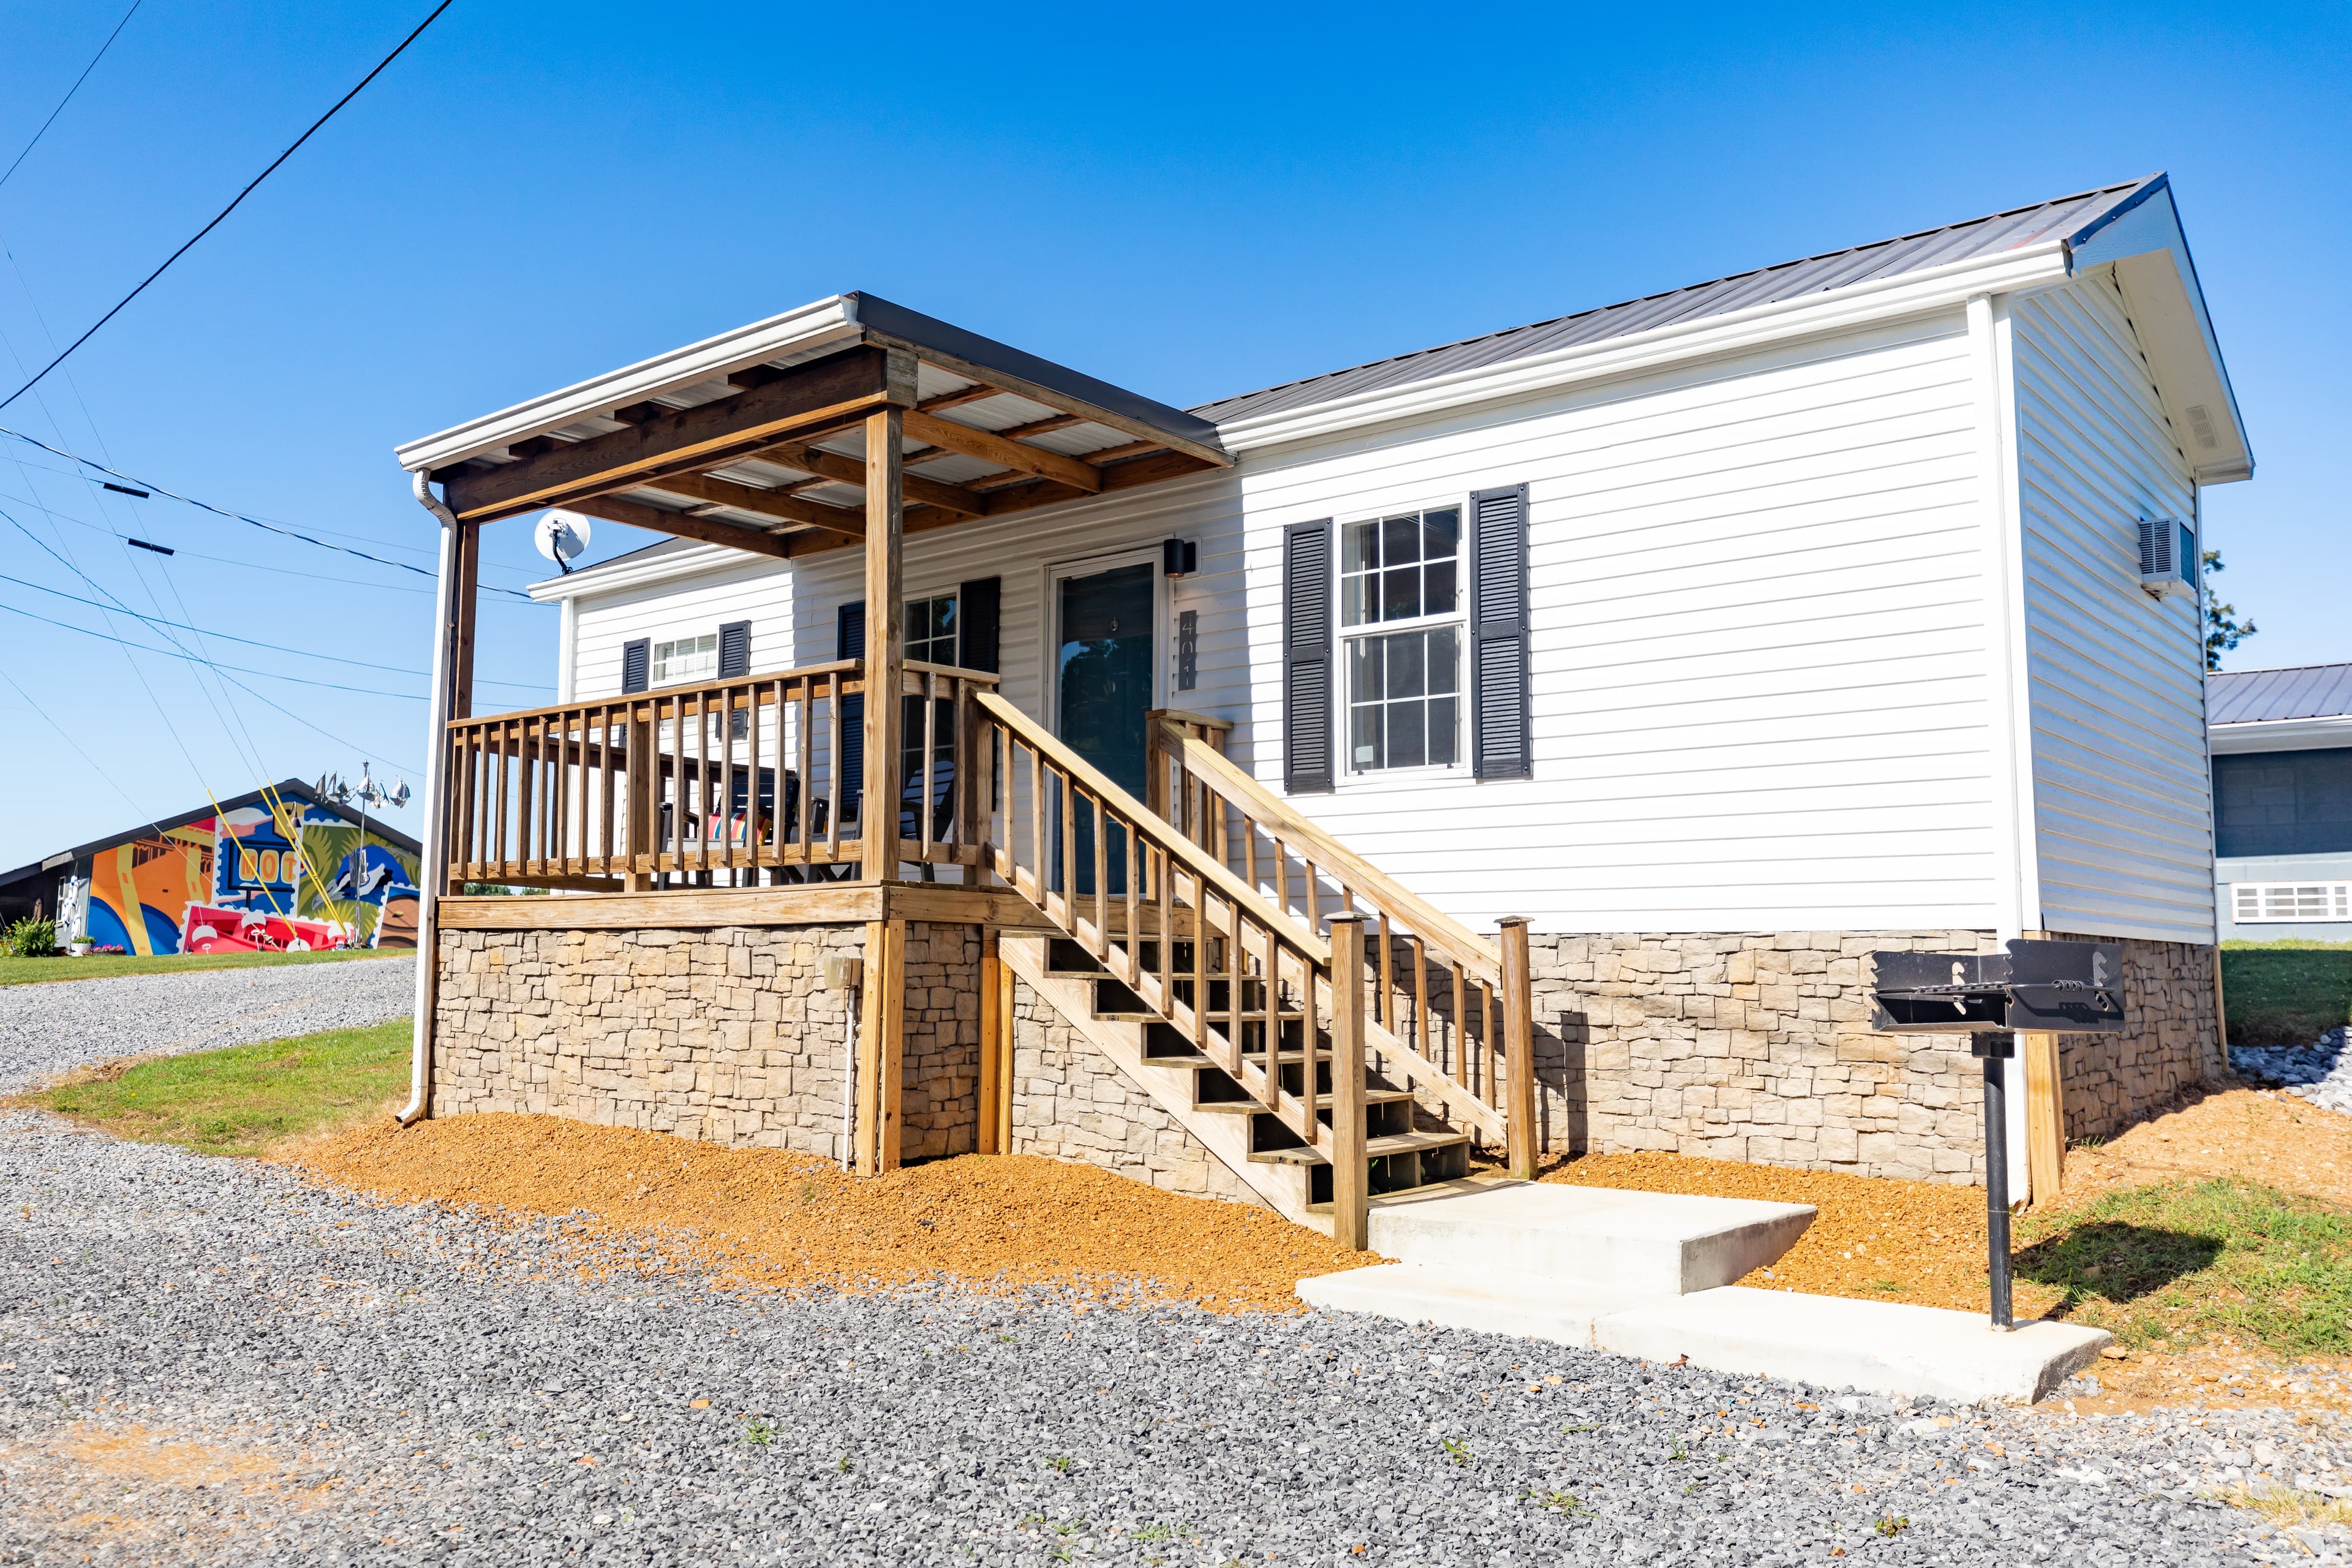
[657, 662]
[1458, 618]
[2289, 903]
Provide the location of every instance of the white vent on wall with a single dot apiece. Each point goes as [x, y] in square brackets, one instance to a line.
[2200, 425]
[2268, 904]
[2168, 557]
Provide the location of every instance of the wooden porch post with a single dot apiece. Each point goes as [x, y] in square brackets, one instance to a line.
[886, 641]
[881, 1047]
[1519, 1049]
[1350, 1181]
[469, 602]
[992, 1042]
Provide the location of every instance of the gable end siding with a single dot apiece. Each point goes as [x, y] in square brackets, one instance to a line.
[2123, 805]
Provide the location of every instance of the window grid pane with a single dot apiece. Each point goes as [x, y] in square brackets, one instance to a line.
[1404, 708]
[1400, 568]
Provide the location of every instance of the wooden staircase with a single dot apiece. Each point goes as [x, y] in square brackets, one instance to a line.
[1406, 1147]
[1292, 1048]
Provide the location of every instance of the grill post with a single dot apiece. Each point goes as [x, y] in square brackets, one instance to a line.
[1995, 1048]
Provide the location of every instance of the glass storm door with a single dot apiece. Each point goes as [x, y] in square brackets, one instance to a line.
[1104, 663]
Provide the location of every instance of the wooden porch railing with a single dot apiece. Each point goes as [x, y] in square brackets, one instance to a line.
[717, 785]
[1130, 886]
[1478, 1027]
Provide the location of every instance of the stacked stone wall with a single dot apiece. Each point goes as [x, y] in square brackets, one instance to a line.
[1757, 1047]
[725, 1034]
[1072, 1102]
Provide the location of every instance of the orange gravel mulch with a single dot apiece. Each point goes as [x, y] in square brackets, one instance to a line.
[767, 1218]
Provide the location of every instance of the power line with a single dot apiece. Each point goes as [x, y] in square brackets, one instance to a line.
[76, 88]
[85, 756]
[231, 208]
[273, 647]
[193, 658]
[238, 516]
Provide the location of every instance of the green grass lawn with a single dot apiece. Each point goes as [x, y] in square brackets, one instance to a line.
[2180, 1262]
[2277, 995]
[242, 1100]
[38, 971]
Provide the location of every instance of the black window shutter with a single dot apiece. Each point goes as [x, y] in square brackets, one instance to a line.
[636, 660]
[1500, 745]
[977, 605]
[1307, 655]
[734, 650]
[849, 642]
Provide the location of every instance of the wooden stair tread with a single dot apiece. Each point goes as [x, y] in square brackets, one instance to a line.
[1374, 1148]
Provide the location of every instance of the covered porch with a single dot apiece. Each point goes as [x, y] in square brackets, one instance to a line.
[1190, 920]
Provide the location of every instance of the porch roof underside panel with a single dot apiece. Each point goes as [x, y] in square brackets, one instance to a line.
[755, 438]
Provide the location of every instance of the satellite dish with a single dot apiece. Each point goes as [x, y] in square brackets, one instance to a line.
[561, 536]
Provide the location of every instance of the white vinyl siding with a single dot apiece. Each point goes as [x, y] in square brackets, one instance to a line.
[1760, 683]
[2123, 808]
[1760, 656]
[735, 587]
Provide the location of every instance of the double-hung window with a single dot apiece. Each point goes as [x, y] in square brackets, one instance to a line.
[1400, 618]
[683, 660]
[932, 630]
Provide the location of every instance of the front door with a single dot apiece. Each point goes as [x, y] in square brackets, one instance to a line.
[1104, 657]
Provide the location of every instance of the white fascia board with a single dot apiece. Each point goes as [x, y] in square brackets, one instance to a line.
[2145, 246]
[1738, 332]
[2280, 734]
[799, 333]
[693, 562]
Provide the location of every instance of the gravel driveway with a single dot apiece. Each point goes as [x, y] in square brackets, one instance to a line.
[209, 1361]
[48, 1028]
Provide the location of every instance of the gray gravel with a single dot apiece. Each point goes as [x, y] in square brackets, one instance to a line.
[207, 1361]
[2320, 1073]
[48, 1028]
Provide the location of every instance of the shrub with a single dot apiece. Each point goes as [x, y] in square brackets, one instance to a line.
[29, 937]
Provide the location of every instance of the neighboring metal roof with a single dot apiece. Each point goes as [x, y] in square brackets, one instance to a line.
[286, 789]
[2262, 696]
[2070, 218]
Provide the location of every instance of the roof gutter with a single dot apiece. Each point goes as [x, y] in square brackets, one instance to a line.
[432, 871]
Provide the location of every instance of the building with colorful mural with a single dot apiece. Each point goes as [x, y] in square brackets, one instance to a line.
[280, 869]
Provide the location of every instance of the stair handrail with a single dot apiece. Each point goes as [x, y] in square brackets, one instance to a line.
[1417, 1069]
[1167, 838]
[1440, 930]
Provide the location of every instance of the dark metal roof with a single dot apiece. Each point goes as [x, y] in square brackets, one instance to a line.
[292, 789]
[2254, 696]
[2072, 218]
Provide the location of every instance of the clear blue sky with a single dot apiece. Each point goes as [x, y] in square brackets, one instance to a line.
[1191, 203]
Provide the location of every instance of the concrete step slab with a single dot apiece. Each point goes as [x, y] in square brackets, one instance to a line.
[1876, 1347]
[1484, 1301]
[1645, 1244]
[1825, 1341]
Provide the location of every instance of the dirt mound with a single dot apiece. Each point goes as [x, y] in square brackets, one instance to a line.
[772, 1219]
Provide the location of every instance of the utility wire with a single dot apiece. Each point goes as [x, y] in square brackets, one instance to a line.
[85, 756]
[232, 206]
[76, 88]
[194, 658]
[238, 516]
[273, 647]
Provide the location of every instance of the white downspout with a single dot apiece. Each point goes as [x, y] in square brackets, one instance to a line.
[431, 871]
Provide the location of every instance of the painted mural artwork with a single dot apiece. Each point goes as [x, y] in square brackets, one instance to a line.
[296, 879]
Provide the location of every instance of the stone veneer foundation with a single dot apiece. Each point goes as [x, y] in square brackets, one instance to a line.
[725, 1034]
[1758, 1048]
[1742, 1047]
[1072, 1102]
